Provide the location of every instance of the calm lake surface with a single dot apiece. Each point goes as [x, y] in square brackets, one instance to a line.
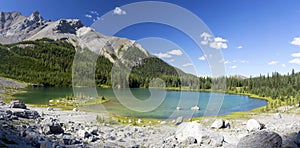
[166, 109]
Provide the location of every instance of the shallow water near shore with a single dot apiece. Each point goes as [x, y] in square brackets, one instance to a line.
[166, 109]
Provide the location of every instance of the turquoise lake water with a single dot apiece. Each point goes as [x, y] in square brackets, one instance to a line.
[164, 104]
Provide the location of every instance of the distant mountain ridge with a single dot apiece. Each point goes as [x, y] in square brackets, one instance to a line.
[14, 27]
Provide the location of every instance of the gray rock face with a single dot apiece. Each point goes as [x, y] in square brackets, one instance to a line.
[68, 26]
[253, 125]
[14, 27]
[297, 140]
[218, 123]
[17, 104]
[263, 139]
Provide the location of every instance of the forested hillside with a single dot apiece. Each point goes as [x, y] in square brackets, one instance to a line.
[49, 62]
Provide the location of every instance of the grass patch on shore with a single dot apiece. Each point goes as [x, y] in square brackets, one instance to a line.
[71, 102]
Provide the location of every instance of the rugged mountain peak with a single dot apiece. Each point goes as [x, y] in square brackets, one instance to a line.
[68, 26]
[15, 27]
[35, 17]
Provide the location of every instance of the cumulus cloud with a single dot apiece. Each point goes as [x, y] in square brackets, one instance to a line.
[187, 64]
[171, 60]
[216, 43]
[177, 52]
[233, 67]
[88, 16]
[219, 43]
[283, 65]
[202, 58]
[239, 47]
[295, 61]
[119, 11]
[273, 63]
[296, 55]
[162, 55]
[296, 41]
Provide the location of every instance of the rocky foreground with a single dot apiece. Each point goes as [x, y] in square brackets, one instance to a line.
[21, 126]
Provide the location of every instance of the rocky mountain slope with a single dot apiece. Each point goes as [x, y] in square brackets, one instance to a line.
[14, 27]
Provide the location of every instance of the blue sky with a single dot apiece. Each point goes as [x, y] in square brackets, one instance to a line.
[256, 37]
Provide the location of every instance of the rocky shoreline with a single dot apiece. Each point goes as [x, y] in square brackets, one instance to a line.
[22, 126]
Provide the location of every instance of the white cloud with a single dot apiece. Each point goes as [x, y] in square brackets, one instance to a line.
[162, 55]
[88, 16]
[216, 43]
[233, 67]
[205, 36]
[283, 65]
[244, 61]
[202, 58]
[119, 11]
[273, 63]
[175, 52]
[227, 62]
[219, 43]
[187, 64]
[296, 55]
[239, 47]
[295, 61]
[94, 12]
[171, 60]
[296, 41]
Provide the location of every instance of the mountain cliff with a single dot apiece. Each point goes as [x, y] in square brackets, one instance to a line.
[15, 28]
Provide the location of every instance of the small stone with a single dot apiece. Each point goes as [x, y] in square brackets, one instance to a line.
[190, 140]
[94, 130]
[50, 109]
[163, 122]
[75, 109]
[178, 120]
[277, 116]
[227, 124]
[218, 123]
[17, 104]
[83, 134]
[253, 125]
[139, 121]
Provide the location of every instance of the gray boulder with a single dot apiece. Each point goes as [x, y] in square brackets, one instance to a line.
[17, 104]
[277, 116]
[28, 114]
[227, 124]
[178, 120]
[203, 136]
[263, 139]
[51, 126]
[218, 123]
[297, 140]
[253, 125]
[94, 130]
[83, 134]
